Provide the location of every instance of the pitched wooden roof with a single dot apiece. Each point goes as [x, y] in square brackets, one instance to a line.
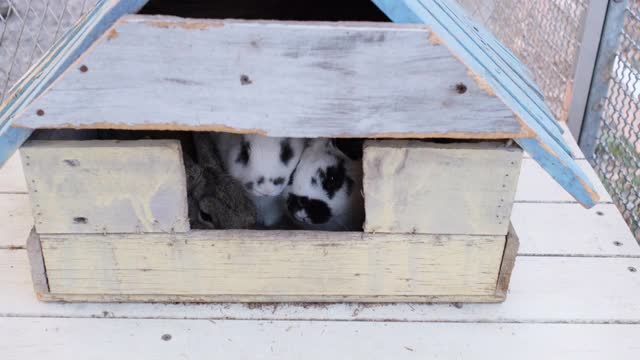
[53, 63]
[508, 77]
[493, 68]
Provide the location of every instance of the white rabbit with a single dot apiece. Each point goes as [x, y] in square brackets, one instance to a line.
[263, 165]
[325, 190]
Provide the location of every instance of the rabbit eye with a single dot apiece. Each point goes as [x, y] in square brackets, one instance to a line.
[244, 154]
[333, 178]
[206, 217]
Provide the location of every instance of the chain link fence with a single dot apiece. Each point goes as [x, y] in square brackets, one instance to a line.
[616, 155]
[544, 34]
[28, 28]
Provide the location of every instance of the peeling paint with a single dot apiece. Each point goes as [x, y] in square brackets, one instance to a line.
[112, 34]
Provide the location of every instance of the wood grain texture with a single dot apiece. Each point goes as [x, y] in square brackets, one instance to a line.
[536, 185]
[499, 68]
[272, 299]
[11, 176]
[276, 78]
[55, 338]
[15, 220]
[502, 286]
[542, 289]
[571, 142]
[563, 169]
[558, 229]
[53, 63]
[508, 262]
[11, 139]
[106, 186]
[563, 229]
[505, 75]
[36, 261]
[432, 188]
[298, 265]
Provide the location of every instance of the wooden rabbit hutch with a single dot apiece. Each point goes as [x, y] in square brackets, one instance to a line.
[111, 219]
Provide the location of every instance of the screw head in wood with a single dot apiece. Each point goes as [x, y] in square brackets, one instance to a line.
[245, 80]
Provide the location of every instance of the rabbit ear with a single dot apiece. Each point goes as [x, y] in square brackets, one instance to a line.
[351, 148]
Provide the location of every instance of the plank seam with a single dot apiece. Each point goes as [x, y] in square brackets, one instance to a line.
[306, 319]
[557, 202]
[612, 256]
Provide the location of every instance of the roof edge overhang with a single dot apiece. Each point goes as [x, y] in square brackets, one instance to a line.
[53, 63]
[488, 60]
[508, 78]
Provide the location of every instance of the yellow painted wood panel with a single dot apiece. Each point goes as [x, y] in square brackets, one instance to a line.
[433, 188]
[274, 263]
[106, 186]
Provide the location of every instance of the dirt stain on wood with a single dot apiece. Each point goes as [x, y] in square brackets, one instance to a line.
[185, 25]
[112, 34]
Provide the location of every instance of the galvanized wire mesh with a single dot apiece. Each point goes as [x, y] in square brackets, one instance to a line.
[28, 28]
[616, 156]
[545, 34]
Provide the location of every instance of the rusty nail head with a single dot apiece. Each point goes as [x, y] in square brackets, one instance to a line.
[84, 68]
[40, 112]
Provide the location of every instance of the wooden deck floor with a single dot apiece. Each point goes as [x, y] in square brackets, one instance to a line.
[575, 293]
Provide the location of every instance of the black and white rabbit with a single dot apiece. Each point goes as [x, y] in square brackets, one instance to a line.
[263, 165]
[325, 190]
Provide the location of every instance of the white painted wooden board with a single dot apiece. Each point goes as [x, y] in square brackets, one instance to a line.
[15, 220]
[278, 78]
[432, 188]
[569, 229]
[106, 186]
[11, 178]
[543, 289]
[537, 186]
[61, 339]
[573, 144]
[299, 265]
[544, 228]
